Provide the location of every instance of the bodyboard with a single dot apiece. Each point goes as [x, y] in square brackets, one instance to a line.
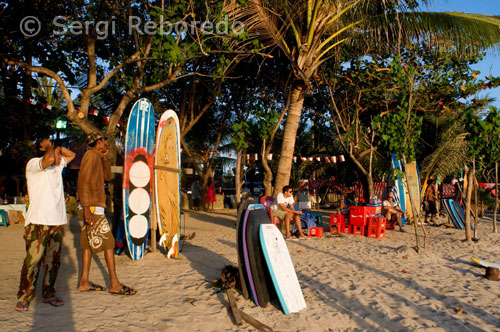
[167, 182]
[486, 264]
[256, 261]
[247, 271]
[281, 269]
[242, 215]
[137, 176]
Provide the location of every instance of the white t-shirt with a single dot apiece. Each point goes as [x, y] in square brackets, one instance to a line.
[280, 199]
[46, 194]
[389, 204]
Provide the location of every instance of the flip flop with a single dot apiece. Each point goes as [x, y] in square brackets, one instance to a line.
[55, 302]
[22, 306]
[125, 291]
[190, 236]
[95, 287]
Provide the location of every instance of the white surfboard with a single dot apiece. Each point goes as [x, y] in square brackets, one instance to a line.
[281, 269]
[486, 264]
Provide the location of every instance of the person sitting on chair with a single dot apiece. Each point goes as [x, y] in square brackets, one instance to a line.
[284, 209]
[391, 210]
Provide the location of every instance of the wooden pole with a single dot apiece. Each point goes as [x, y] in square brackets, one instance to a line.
[495, 229]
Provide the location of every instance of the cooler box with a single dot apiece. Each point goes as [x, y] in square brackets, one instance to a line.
[358, 215]
[315, 231]
[336, 223]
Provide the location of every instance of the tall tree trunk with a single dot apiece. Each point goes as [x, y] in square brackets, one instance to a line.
[289, 136]
[495, 229]
[238, 178]
[468, 235]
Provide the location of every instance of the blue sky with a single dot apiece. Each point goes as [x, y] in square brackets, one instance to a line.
[491, 63]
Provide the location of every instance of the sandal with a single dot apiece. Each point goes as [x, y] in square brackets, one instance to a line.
[95, 287]
[54, 301]
[125, 291]
[22, 306]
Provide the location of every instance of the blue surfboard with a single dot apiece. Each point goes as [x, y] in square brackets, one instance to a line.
[400, 187]
[138, 176]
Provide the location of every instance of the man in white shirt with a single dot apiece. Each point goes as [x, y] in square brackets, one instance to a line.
[284, 209]
[391, 209]
[45, 220]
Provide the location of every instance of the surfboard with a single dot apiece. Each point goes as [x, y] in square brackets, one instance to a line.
[461, 214]
[448, 204]
[281, 269]
[486, 264]
[137, 176]
[167, 182]
[413, 177]
[400, 187]
[241, 221]
[260, 275]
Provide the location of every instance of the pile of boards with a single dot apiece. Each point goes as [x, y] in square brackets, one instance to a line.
[266, 269]
[455, 212]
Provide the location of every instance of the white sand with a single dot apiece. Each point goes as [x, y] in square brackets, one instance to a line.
[349, 283]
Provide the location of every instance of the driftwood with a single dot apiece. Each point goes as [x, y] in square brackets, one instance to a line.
[239, 315]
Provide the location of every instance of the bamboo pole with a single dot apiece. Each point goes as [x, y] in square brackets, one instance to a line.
[495, 229]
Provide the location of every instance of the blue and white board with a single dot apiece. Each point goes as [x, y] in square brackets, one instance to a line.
[448, 205]
[400, 187]
[281, 268]
[138, 175]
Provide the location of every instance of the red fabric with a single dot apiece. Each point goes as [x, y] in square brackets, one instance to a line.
[210, 194]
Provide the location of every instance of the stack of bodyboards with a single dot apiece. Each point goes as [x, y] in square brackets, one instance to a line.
[266, 269]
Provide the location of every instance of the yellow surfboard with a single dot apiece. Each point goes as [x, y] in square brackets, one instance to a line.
[413, 188]
[167, 182]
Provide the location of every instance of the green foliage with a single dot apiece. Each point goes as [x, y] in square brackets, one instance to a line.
[240, 136]
[492, 135]
[476, 138]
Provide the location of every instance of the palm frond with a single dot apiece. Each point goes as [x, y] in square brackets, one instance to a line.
[461, 32]
[449, 157]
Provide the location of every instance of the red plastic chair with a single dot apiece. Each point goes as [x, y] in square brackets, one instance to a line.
[268, 202]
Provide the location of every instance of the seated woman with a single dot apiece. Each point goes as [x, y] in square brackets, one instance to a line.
[392, 211]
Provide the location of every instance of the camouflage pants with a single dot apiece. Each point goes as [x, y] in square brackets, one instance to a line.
[43, 243]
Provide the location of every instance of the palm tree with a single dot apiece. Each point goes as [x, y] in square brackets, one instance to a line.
[309, 31]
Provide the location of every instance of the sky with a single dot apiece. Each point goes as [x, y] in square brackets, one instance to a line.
[491, 63]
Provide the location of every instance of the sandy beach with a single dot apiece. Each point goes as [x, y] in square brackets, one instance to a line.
[350, 283]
